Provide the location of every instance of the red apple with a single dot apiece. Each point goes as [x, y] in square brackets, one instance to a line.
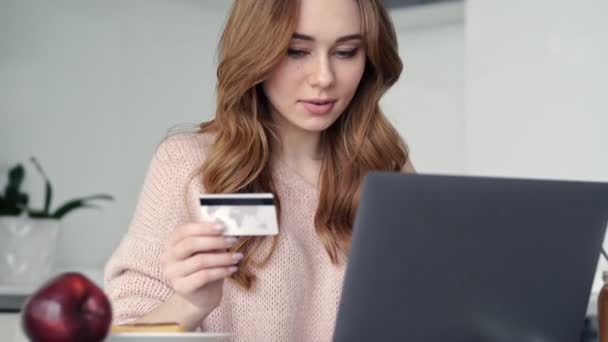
[67, 308]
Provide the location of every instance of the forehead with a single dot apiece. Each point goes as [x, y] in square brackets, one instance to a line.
[327, 20]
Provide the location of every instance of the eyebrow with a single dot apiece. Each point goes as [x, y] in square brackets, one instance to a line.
[300, 36]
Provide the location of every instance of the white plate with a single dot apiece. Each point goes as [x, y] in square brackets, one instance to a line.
[168, 337]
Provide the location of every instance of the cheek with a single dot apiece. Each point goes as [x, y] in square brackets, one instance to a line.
[350, 76]
[282, 79]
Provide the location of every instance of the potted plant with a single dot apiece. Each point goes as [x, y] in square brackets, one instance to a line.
[28, 237]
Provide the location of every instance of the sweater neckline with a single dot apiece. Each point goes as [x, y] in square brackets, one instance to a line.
[291, 176]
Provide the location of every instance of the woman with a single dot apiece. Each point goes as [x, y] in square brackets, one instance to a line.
[297, 115]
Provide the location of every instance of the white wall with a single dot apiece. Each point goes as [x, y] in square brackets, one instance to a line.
[517, 90]
[90, 88]
[537, 86]
[427, 104]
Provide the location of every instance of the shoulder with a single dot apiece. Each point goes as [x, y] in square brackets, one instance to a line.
[182, 152]
[408, 167]
[184, 146]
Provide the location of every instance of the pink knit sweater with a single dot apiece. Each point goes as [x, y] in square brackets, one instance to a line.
[296, 294]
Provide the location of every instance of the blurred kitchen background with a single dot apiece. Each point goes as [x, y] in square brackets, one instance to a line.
[490, 87]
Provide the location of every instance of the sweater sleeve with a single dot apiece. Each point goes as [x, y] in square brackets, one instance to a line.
[133, 278]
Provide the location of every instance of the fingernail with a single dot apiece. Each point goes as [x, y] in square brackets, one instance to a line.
[230, 240]
[232, 269]
[237, 256]
[219, 227]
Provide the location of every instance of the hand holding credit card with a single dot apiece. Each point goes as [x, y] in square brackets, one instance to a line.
[243, 214]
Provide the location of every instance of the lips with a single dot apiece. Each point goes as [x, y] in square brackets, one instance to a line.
[319, 106]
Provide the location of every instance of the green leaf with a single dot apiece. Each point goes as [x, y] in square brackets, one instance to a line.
[16, 176]
[48, 188]
[38, 214]
[14, 202]
[92, 206]
[24, 199]
[12, 195]
[4, 207]
[79, 203]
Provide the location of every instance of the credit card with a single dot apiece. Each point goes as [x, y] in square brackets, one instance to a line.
[243, 214]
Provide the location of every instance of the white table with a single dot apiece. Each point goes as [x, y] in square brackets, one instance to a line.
[10, 328]
[10, 323]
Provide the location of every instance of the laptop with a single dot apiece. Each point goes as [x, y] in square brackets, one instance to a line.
[460, 258]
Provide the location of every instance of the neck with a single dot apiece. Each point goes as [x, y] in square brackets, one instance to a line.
[298, 146]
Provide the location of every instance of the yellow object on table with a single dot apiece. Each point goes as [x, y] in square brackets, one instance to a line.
[147, 327]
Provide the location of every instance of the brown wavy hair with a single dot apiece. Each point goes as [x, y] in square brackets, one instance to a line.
[255, 40]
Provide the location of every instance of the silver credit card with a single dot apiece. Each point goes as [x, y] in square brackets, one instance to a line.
[243, 214]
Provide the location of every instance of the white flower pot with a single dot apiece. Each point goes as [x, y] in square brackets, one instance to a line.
[28, 249]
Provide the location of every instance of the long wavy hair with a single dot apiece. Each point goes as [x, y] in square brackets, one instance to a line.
[361, 140]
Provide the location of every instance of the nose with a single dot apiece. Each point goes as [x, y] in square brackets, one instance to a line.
[322, 75]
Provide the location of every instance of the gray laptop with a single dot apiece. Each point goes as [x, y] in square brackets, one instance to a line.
[457, 258]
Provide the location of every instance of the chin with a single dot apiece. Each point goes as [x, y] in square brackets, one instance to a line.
[318, 124]
[316, 127]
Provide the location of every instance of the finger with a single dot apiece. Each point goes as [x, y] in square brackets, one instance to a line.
[192, 245]
[197, 229]
[201, 278]
[202, 261]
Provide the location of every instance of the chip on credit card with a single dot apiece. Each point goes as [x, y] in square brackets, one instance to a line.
[243, 214]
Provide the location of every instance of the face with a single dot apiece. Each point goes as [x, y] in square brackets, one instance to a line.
[318, 77]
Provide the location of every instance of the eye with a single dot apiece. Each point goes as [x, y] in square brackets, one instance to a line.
[295, 53]
[346, 54]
